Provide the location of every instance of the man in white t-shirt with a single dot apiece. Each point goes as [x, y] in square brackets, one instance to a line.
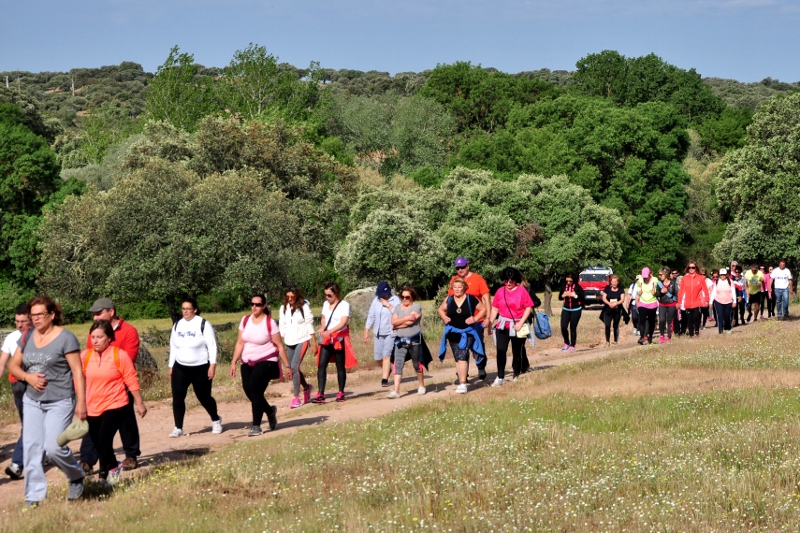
[782, 278]
[22, 322]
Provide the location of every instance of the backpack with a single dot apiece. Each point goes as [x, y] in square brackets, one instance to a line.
[541, 326]
[202, 326]
[89, 353]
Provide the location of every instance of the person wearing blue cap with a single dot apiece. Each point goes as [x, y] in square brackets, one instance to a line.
[379, 318]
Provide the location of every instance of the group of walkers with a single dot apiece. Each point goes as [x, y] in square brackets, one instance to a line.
[56, 385]
[684, 304]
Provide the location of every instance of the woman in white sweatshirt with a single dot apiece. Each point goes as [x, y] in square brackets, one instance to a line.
[192, 361]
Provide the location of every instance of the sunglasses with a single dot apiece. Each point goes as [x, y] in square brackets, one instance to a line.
[692, 268]
[254, 304]
[328, 295]
[406, 297]
[460, 268]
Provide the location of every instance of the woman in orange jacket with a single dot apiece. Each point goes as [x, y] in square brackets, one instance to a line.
[693, 296]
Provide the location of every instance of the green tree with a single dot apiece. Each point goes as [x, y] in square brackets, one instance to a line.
[177, 94]
[256, 85]
[391, 244]
[758, 186]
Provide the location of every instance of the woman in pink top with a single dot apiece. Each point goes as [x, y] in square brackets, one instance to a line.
[723, 296]
[511, 307]
[766, 292]
[260, 347]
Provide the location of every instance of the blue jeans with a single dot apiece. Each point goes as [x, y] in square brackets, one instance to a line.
[18, 388]
[782, 301]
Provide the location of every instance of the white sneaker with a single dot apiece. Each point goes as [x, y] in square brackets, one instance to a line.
[392, 395]
[421, 391]
[216, 426]
[177, 432]
[461, 389]
[498, 382]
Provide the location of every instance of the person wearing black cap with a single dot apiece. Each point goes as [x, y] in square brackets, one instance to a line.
[379, 318]
[477, 287]
[126, 338]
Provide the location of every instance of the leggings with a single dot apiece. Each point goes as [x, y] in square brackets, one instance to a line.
[570, 319]
[102, 429]
[296, 354]
[197, 377]
[741, 307]
[324, 358]
[693, 319]
[647, 322]
[771, 304]
[723, 316]
[611, 317]
[666, 316]
[517, 347]
[704, 315]
[254, 382]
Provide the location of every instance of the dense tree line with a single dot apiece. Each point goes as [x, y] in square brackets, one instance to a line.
[215, 181]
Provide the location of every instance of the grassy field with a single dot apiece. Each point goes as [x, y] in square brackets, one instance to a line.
[692, 436]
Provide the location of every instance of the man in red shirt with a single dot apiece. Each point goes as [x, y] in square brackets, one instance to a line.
[126, 338]
[477, 287]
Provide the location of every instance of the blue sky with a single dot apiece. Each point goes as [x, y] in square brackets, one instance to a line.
[747, 40]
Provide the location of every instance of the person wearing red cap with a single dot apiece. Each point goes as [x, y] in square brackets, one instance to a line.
[477, 287]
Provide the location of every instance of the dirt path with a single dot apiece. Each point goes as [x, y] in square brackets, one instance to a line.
[365, 399]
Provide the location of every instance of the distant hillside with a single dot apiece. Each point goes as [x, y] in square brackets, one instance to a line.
[126, 83]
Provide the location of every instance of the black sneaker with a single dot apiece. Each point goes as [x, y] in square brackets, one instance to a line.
[384, 383]
[14, 471]
[272, 417]
[482, 374]
[641, 340]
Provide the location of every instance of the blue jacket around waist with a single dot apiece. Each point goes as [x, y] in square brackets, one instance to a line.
[472, 331]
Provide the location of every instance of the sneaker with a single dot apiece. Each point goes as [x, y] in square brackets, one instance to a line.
[177, 432]
[319, 398]
[669, 339]
[30, 505]
[340, 396]
[254, 431]
[482, 374]
[565, 348]
[641, 340]
[727, 332]
[421, 391]
[272, 417]
[384, 383]
[514, 379]
[130, 463]
[296, 402]
[307, 394]
[498, 382]
[662, 339]
[461, 389]
[571, 349]
[635, 332]
[14, 471]
[115, 473]
[75, 489]
[392, 395]
[216, 426]
[608, 345]
[104, 485]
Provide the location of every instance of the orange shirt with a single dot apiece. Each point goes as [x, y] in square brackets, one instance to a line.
[105, 383]
[476, 286]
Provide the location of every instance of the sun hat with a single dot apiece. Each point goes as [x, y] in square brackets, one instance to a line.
[461, 262]
[77, 429]
[384, 289]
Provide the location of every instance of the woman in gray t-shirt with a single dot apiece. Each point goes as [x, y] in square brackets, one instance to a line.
[408, 339]
[48, 360]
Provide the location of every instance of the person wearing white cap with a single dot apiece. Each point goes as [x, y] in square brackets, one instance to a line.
[723, 296]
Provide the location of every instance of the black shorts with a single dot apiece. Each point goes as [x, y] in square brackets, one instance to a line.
[754, 298]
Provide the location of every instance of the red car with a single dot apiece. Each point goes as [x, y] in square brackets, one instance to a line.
[593, 280]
